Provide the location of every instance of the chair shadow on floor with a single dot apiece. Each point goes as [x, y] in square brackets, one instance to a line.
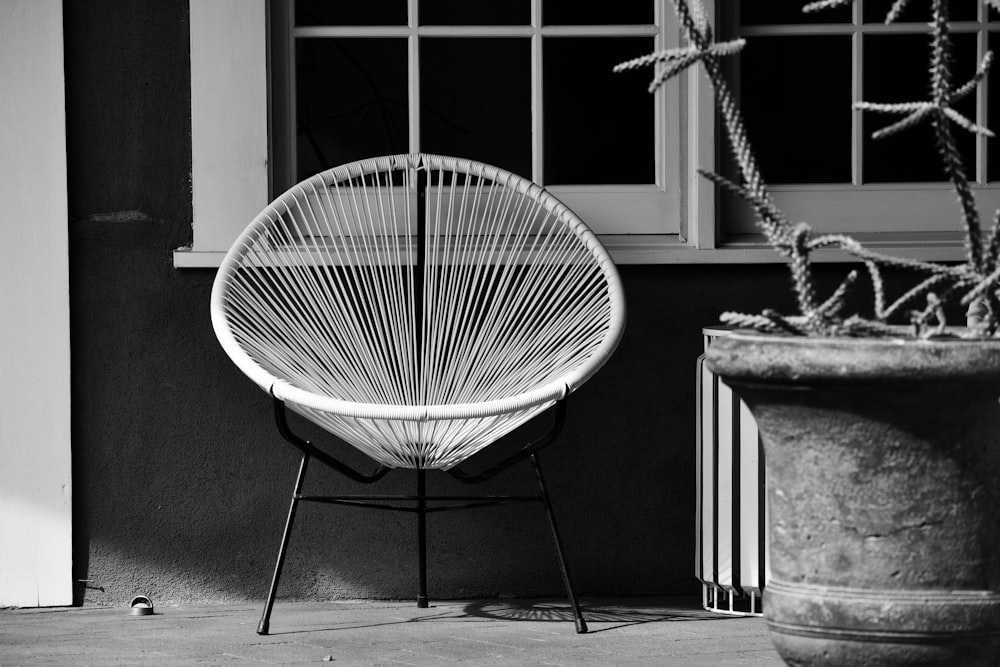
[603, 616]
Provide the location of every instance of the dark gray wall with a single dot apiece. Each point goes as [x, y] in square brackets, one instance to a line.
[181, 481]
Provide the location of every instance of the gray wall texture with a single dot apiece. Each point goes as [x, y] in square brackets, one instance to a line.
[181, 481]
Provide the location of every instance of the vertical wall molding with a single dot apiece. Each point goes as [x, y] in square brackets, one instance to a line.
[35, 475]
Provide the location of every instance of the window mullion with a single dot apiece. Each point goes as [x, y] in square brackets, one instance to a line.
[703, 230]
[413, 75]
[857, 93]
[660, 42]
[537, 111]
[982, 147]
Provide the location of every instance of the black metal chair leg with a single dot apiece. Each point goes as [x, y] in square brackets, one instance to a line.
[581, 624]
[265, 620]
[422, 539]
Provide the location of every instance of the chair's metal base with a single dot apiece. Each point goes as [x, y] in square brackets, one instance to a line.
[421, 504]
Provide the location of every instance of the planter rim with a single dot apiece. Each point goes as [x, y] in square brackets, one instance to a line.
[752, 356]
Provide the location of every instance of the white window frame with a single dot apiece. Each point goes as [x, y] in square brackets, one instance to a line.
[230, 148]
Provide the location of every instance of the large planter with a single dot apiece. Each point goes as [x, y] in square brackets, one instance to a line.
[883, 478]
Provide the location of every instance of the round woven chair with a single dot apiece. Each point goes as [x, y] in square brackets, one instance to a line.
[418, 307]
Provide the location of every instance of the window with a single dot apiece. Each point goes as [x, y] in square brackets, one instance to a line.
[525, 85]
[423, 76]
[556, 113]
[797, 81]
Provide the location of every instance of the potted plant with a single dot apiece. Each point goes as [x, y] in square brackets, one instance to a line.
[881, 429]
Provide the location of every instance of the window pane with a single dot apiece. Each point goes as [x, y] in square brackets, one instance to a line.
[463, 12]
[875, 11]
[895, 71]
[795, 94]
[369, 12]
[758, 12]
[475, 100]
[575, 12]
[598, 124]
[351, 101]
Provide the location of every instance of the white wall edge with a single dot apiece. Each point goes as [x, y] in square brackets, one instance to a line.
[36, 554]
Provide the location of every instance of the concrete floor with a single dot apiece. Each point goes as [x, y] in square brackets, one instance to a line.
[505, 632]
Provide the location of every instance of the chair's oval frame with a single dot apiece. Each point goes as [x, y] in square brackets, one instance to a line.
[551, 391]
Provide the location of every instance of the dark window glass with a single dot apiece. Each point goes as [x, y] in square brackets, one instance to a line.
[598, 125]
[890, 76]
[764, 12]
[351, 101]
[464, 12]
[475, 100]
[875, 11]
[349, 12]
[796, 97]
[575, 12]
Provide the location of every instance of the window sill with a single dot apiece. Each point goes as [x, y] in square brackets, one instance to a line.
[664, 249]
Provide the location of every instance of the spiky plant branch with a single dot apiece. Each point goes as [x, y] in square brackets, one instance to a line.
[941, 90]
[973, 283]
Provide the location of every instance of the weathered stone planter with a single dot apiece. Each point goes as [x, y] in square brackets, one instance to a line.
[883, 476]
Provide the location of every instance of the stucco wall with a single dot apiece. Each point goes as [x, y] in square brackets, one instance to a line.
[181, 482]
